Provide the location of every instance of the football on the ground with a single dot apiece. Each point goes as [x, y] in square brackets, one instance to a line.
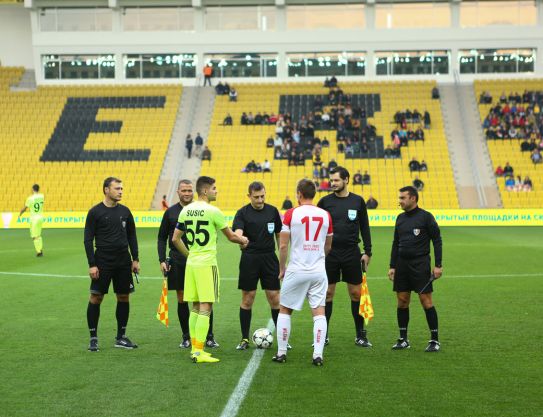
[263, 338]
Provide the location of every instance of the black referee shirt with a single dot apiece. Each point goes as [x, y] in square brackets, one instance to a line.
[165, 232]
[259, 226]
[112, 229]
[412, 234]
[350, 219]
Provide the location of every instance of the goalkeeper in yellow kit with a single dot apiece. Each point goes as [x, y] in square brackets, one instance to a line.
[35, 204]
[199, 222]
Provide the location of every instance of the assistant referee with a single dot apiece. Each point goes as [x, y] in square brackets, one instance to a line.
[175, 268]
[410, 267]
[110, 226]
[261, 224]
[344, 262]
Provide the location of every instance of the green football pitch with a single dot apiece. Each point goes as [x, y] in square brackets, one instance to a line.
[488, 303]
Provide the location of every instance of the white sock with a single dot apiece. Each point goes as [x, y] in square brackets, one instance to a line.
[319, 335]
[283, 333]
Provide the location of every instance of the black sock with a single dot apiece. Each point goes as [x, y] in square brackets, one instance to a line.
[245, 322]
[403, 321]
[275, 314]
[183, 314]
[93, 314]
[431, 318]
[328, 313]
[358, 319]
[210, 331]
[123, 309]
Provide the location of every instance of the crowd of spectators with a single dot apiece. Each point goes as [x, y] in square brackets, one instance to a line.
[416, 166]
[257, 166]
[515, 117]
[513, 183]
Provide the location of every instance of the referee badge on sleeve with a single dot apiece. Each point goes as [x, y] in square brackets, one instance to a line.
[416, 232]
[352, 215]
[271, 227]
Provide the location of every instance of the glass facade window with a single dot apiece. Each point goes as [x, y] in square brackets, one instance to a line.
[412, 15]
[160, 65]
[412, 62]
[491, 61]
[337, 16]
[67, 67]
[498, 13]
[305, 64]
[243, 65]
[76, 20]
[158, 19]
[261, 18]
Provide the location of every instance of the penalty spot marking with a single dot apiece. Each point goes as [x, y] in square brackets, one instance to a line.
[236, 399]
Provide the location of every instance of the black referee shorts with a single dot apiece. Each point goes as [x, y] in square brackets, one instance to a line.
[413, 274]
[261, 266]
[116, 269]
[344, 265]
[176, 275]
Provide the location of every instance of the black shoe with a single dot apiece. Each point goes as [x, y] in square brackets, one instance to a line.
[318, 361]
[93, 345]
[125, 343]
[279, 358]
[433, 346]
[362, 341]
[210, 342]
[401, 344]
[243, 345]
[39, 254]
[288, 346]
[185, 343]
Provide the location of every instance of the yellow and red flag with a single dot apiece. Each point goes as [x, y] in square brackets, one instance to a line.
[162, 312]
[366, 308]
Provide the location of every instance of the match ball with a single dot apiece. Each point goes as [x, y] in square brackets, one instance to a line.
[263, 338]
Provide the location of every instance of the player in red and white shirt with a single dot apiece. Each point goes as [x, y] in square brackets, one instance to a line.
[309, 231]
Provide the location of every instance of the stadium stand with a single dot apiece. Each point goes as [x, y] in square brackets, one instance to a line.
[503, 150]
[69, 138]
[233, 146]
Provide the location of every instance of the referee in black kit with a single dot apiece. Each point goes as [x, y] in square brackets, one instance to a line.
[410, 268]
[261, 224]
[345, 261]
[175, 268]
[110, 226]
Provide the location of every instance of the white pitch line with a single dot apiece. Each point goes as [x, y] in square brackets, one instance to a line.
[236, 399]
[34, 274]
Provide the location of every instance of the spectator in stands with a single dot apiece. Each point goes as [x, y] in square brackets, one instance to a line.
[527, 184]
[508, 169]
[244, 120]
[270, 142]
[326, 82]
[536, 156]
[371, 203]
[219, 89]
[266, 166]
[323, 172]
[325, 143]
[188, 145]
[332, 164]
[414, 165]
[324, 185]
[418, 184]
[427, 120]
[419, 134]
[503, 98]
[287, 204]
[357, 178]
[423, 166]
[485, 98]
[206, 154]
[333, 82]
[198, 142]
[510, 183]
[525, 146]
[164, 203]
[226, 89]
[227, 120]
[317, 161]
[208, 73]
[518, 183]
[366, 178]
[250, 119]
[233, 95]
[435, 93]
[499, 171]
[388, 152]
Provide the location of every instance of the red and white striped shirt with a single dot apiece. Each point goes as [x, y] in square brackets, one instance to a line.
[308, 226]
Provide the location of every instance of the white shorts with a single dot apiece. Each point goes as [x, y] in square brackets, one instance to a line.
[297, 286]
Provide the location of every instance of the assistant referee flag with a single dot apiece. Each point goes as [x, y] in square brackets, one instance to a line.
[162, 312]
[366, 308]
